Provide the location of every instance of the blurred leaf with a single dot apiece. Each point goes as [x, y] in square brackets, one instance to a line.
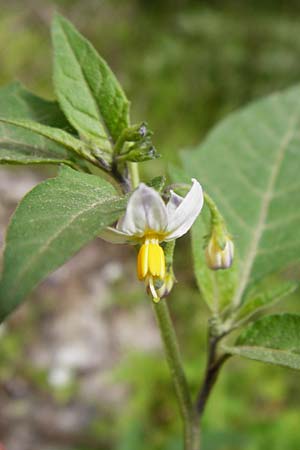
[53, 222]
[34, 130]
[87, 90]
[18, 146]
[249, 164]
[266, 298]
[273, 339]
[216, 286]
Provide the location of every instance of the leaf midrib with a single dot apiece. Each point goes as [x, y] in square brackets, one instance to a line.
[48, 243]
[263, 348]
[100, 116]
[254, 244]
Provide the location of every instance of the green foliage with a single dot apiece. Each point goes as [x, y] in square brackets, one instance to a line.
[260, 420]
[249, 164]
[41, 238]
[19, 103]
[20, 146]
[273, 339]
[61, 139]
[87, 90]
[266, 297]
[29, 139]
[52, 223]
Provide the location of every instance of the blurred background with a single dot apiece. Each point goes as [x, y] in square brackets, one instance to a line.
[81, 365]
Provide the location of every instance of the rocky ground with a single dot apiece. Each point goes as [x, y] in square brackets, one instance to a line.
[71, 334]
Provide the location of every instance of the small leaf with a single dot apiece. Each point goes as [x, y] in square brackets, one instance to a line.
[266, 298]
[51, 223]
[87, 90]
[273, 339]
[19, 146]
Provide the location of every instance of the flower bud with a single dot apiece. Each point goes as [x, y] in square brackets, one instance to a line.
[137, 132]
[167, 285]
[219, 251]
[143, 153]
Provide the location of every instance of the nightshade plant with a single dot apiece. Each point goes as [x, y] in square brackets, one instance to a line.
[248, 167]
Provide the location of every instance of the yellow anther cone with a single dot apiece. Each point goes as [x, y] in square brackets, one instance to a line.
[151, 261]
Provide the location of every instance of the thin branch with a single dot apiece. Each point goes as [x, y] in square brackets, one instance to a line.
[213, 366]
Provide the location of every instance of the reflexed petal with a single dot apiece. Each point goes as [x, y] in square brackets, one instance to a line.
[181, 220]
[173, 203]
[145, 212]
[115, 236]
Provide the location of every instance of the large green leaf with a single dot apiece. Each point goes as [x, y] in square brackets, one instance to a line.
[272, 339]
[20, 146]
[87, 90]
[250, 165]
[53, 222]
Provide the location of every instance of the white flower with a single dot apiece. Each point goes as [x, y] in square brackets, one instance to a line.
[149, 221]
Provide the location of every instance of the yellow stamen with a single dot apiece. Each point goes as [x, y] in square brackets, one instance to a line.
[142, 262]
[151, 263]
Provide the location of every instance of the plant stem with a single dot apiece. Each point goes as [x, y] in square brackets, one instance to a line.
[214, 364]
[189, 415]
[134, 174]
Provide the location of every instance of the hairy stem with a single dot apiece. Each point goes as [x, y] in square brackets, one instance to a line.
[188, 413]
[213, 366]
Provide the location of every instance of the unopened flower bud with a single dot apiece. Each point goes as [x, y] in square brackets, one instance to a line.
[167, 285]
[137, 132]
[219, 251]
[142, 154]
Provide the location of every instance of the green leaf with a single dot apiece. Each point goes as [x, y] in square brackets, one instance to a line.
[273, 339]
[61, 138]
[87, 90]
[216, 286]
[16, 102]
[266, 298]
[53, 222]
[249, 164]
[20, 146]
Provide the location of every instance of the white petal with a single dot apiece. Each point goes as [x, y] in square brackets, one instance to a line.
[173, 203]
[145, 212]
[181, 220]
[115, 236]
